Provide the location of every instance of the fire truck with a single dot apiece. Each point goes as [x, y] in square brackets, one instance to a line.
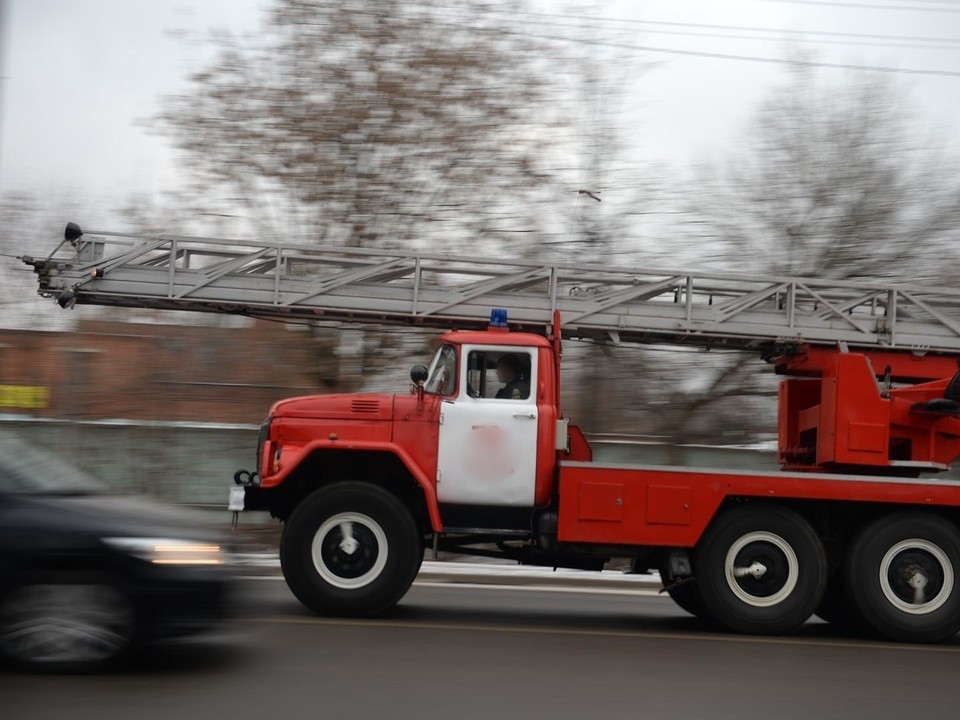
[476, 457]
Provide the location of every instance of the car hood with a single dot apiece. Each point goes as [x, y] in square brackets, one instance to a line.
[107, 516]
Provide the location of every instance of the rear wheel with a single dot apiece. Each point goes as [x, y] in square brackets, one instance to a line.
[760, 569]
[904, 577]
[64, 622]
[350, 549]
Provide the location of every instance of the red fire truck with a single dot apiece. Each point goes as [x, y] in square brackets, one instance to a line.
[477, 458]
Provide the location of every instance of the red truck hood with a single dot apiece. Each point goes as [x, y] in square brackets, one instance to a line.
[352, 406]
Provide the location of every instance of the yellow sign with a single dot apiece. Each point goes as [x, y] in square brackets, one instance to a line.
[24, 396]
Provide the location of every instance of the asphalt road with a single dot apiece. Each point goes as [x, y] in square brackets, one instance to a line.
[492, 652]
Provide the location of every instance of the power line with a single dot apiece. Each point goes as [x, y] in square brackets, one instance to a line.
[737, 28]
[949, 43]
[748, 58]
[867, 6]
[707, 54]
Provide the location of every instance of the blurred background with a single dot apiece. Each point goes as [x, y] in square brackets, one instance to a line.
[802, 138]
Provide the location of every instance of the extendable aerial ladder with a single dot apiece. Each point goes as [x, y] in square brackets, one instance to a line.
[854, 339]
[604, 303]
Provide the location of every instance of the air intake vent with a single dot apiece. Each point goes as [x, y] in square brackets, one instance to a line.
[365, 406]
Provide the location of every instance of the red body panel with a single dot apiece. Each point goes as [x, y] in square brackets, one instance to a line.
[547, 430]
[671, 507]
[904, 367]
[580, 450]
[846, 420]
[492, 337]
[416, 428]
[404, 426]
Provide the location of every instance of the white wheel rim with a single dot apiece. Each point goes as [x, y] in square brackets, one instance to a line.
[347, 527]
[735, 572]
[65, 623]
[920, 604]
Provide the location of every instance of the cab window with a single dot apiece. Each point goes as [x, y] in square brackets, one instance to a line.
[497, 374]
[442, 375]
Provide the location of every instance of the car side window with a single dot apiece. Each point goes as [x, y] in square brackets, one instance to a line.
[500, 375]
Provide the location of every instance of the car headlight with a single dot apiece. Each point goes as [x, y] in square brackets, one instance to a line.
[168, 551]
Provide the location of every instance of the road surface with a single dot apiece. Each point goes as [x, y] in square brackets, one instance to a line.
[460, 652]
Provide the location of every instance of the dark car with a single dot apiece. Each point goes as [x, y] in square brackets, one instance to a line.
[85, 575]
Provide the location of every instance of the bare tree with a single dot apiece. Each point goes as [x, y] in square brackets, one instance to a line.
[379, 124]
[602, 186]
[830, 181]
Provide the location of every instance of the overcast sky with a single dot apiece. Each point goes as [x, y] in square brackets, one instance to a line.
[81, 75]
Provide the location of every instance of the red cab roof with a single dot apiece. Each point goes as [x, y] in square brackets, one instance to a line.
[492, 337]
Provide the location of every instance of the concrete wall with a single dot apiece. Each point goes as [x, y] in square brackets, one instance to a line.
[179, 463]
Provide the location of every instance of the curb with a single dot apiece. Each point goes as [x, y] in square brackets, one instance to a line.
[484, 574]
[453, 572]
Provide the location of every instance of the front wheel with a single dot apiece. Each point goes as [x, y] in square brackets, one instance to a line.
[760, 569]
[904, 577]
[350, 549]
[65, 622]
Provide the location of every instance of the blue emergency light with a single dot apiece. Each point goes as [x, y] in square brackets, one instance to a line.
[498, 318]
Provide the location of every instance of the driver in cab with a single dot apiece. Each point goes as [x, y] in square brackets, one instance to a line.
[510, 373]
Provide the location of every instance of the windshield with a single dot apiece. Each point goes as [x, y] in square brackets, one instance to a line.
[26, 469]
[442, 375]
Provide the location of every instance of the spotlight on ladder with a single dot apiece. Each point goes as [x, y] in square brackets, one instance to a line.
[72, 233]
[67, 299]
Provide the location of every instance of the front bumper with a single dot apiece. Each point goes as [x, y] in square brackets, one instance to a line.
[184, 606]
[247, 494]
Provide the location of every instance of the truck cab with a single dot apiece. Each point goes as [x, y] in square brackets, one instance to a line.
[479, 428]
[496, 428]
[469, 456]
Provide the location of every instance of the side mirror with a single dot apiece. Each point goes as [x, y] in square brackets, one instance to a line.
[418, 374]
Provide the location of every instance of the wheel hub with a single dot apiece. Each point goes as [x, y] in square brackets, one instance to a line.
[349, 550]
[349, 544]
[761, 569]
[757, 570]
[916, 576]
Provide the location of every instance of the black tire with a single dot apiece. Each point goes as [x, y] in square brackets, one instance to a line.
[684, 595]
[786, 563]
[886, 565]
[350, 549]
[65, 622]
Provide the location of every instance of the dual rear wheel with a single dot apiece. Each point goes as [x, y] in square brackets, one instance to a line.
[762, 569]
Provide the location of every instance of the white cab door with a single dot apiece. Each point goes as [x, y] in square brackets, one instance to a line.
[488, 446]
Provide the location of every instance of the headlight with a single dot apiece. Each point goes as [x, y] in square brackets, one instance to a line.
[166, 551]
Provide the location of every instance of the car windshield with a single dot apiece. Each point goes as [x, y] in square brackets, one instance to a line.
[442, 374]
[26, 469]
